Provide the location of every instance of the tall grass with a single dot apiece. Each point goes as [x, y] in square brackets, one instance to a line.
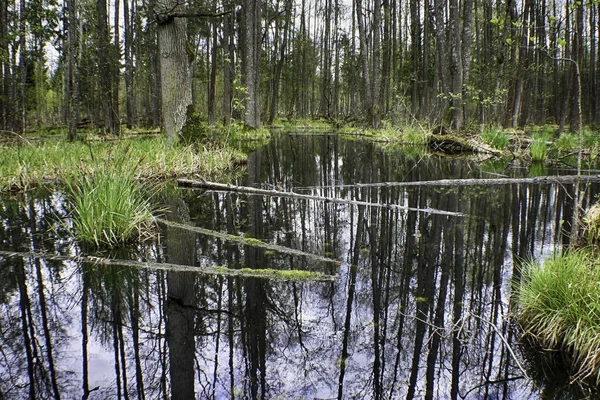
[109, 206]
[495, 137]
[558, 307]
[56, 161]
[539, 148]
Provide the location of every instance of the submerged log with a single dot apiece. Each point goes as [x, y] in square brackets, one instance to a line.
[286, 275]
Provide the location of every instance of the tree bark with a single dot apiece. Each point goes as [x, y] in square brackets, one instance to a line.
[175, 77]
[252, 50]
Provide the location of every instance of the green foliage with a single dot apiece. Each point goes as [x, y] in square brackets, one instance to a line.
[538, 147]
[495, 137]
[590, 139]
[109, 207]
[558, 308]
[566, 143]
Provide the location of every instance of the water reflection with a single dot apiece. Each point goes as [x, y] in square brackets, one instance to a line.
[418, 311]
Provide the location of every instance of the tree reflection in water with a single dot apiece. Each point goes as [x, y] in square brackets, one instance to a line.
[418, 310]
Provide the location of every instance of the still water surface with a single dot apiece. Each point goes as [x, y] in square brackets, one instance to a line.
[418, 308]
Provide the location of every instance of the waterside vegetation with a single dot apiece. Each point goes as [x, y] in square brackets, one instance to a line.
[557, 307]
[34, 162]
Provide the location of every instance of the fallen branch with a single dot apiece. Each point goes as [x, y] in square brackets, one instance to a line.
[287, 275]
[565, 179]
[248, 241]
[189, 183]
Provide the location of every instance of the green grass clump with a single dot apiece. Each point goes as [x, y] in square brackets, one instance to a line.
[109, 206]
[495, 137]
[558, 308]
[538, 148]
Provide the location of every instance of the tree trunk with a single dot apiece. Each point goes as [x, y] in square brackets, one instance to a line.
[4, 75]
[279, 67]
[228, 63]
[252, 49]
[456, 67]
[213, 76]
[364, 59]
[22, 98]
[129, 103]
[116, 73]
[576, 117]
[72, 75]
[175, 78]
[104, 68]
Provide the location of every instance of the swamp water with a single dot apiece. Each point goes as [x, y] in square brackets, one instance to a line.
[416, 307]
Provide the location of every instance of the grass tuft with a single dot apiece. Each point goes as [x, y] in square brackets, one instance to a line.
[558, 308]
[109, 205]
[495, 137]
[539, 148]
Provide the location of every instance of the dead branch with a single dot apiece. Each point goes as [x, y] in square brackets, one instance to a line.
[190, 183]
[564, 179]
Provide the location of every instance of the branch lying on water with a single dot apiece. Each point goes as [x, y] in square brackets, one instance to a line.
[190, 183]
[564, 179]
[249, 241]
[286, 275]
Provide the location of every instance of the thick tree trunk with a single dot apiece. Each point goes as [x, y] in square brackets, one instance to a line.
[252, 49]
[175, 78]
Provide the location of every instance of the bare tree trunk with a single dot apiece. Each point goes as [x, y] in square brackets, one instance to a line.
[175, 77]
[576, 117]
[22, 98]
[279, 67]
[228, 64]
[4, 70]
[213, 75]
[252, 49]
[71, 74]
[104, 67]
[364, 58]
[376, 82]
[129, 103]
[456, 67]
[116, 73]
